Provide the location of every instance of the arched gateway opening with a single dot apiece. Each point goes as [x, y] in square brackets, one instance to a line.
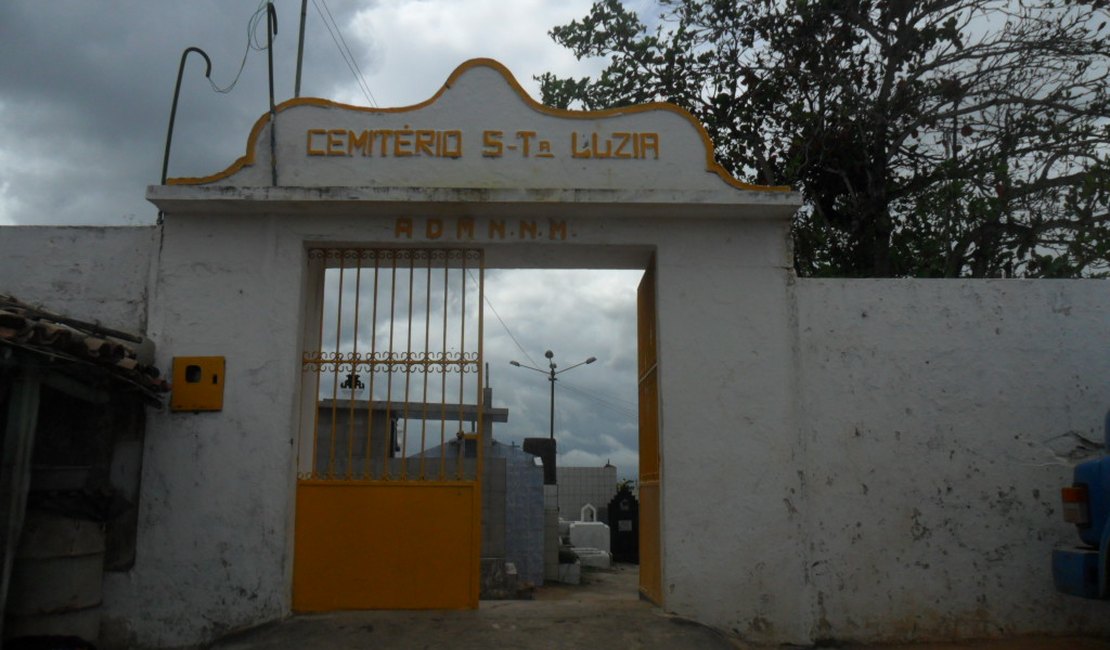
[415, 203]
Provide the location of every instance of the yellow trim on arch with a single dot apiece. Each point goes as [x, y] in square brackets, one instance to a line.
[711, 164]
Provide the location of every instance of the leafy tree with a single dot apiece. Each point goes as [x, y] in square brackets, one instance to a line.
[929, 137]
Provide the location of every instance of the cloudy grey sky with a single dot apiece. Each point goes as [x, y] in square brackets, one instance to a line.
[583, 314]
[85, 93]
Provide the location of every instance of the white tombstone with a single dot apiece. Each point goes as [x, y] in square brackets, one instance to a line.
[589, 534]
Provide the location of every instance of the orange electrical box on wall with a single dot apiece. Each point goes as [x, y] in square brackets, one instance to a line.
[198, 384]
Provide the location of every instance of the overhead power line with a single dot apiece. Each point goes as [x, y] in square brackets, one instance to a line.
[344, 51]
[503, 325]
[254, 42]
[601, 401]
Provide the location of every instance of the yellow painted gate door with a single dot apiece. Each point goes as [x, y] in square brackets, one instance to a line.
[388, 495]
[651, 575]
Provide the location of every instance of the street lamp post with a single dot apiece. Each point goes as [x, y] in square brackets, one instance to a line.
[551, 373]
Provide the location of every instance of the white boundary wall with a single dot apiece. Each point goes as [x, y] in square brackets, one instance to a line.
[937, 417]
[956, 403]
[94, 274]
[214, 551]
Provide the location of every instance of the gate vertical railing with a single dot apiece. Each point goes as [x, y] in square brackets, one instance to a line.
[377, 306]
[388, 512]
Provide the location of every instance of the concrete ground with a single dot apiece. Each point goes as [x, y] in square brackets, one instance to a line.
[603, 613]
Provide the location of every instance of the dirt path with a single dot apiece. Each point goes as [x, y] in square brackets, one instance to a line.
[605, 613]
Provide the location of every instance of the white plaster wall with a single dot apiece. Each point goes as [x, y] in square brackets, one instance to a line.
[937, 418]
[93, 274]
[215, 516]
[731, 491]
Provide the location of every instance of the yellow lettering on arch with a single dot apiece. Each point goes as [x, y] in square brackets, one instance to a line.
[497, 229]
[557, 230]
[492, 147]
[622, 138]
[425, 142]
[360, 143]
[575, 152]
[452, 144]
[526, 140]
[383, 135]
[528, 228]
[402, 142]
[434, 228]
[336, 139]
[403, 228]
[464, 228]
[309, 149]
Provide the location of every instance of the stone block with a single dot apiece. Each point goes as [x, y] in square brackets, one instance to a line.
[594, 558]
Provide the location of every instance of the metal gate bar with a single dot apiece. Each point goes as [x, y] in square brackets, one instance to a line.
[377, 305]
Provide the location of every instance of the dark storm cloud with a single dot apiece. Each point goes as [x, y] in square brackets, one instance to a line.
[86, 89]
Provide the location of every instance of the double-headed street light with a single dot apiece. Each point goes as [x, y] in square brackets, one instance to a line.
[551, 373]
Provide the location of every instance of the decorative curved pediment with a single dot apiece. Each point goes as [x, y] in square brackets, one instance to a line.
[481, 131]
